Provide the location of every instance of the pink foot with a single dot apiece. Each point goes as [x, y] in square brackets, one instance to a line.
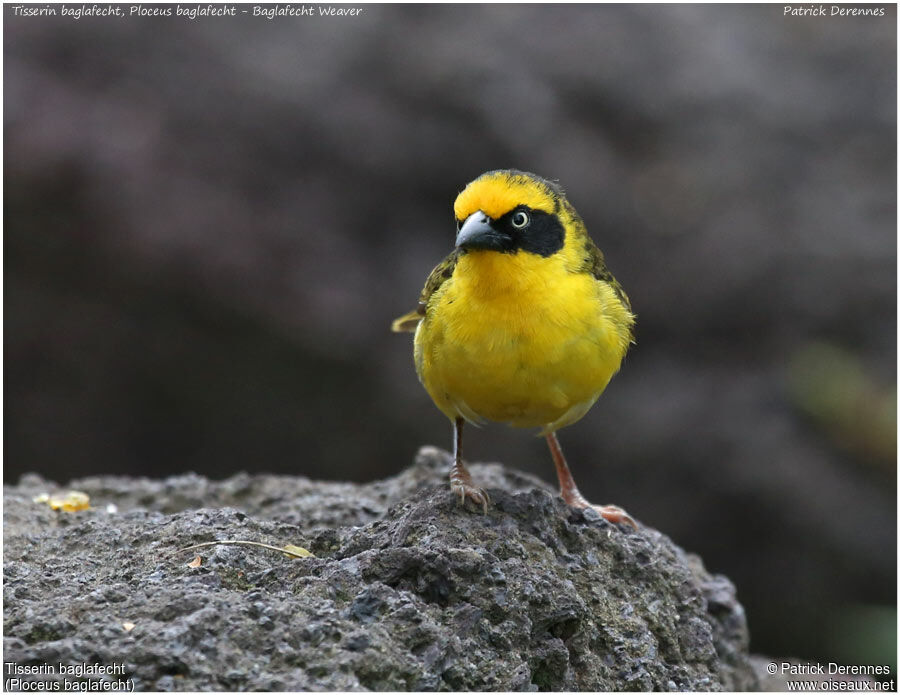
[461, 484]
[614, 514]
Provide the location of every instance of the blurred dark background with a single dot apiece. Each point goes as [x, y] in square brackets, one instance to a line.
[210, 224]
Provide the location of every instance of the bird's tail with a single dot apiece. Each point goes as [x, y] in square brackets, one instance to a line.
[407, 322]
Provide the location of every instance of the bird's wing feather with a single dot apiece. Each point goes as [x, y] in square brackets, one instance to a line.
[596, 266]
[441, 272]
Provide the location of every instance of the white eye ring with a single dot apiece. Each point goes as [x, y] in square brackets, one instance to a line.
[520, 220]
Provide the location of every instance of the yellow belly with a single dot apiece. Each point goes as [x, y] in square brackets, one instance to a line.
[499, 343]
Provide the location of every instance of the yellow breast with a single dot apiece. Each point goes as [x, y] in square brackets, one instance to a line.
[520, 339]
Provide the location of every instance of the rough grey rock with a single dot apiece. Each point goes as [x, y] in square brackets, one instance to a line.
[407, 590]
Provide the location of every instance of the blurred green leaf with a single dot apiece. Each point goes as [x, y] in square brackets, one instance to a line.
[833, 388]
[866, 635]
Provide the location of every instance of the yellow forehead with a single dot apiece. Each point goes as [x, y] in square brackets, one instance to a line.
[498, 192]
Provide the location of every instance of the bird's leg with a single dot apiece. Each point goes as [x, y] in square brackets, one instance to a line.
[572, 496]
[460, 480]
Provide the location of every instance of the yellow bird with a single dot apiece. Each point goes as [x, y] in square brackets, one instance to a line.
[522, 323]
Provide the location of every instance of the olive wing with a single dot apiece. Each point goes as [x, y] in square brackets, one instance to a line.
[441, 272]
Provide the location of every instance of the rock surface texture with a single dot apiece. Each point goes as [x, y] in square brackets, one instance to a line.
[407, 590]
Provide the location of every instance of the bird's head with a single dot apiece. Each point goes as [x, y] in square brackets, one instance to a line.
[511, 211]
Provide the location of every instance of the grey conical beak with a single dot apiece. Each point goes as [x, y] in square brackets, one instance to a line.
[477, 233]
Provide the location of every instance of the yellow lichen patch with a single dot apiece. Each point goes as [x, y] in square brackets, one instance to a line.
[71, 501]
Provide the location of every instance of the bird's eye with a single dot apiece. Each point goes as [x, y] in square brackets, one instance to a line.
[520, 220]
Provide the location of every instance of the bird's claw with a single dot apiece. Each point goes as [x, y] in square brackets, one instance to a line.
[476, 494]
[614, 514]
